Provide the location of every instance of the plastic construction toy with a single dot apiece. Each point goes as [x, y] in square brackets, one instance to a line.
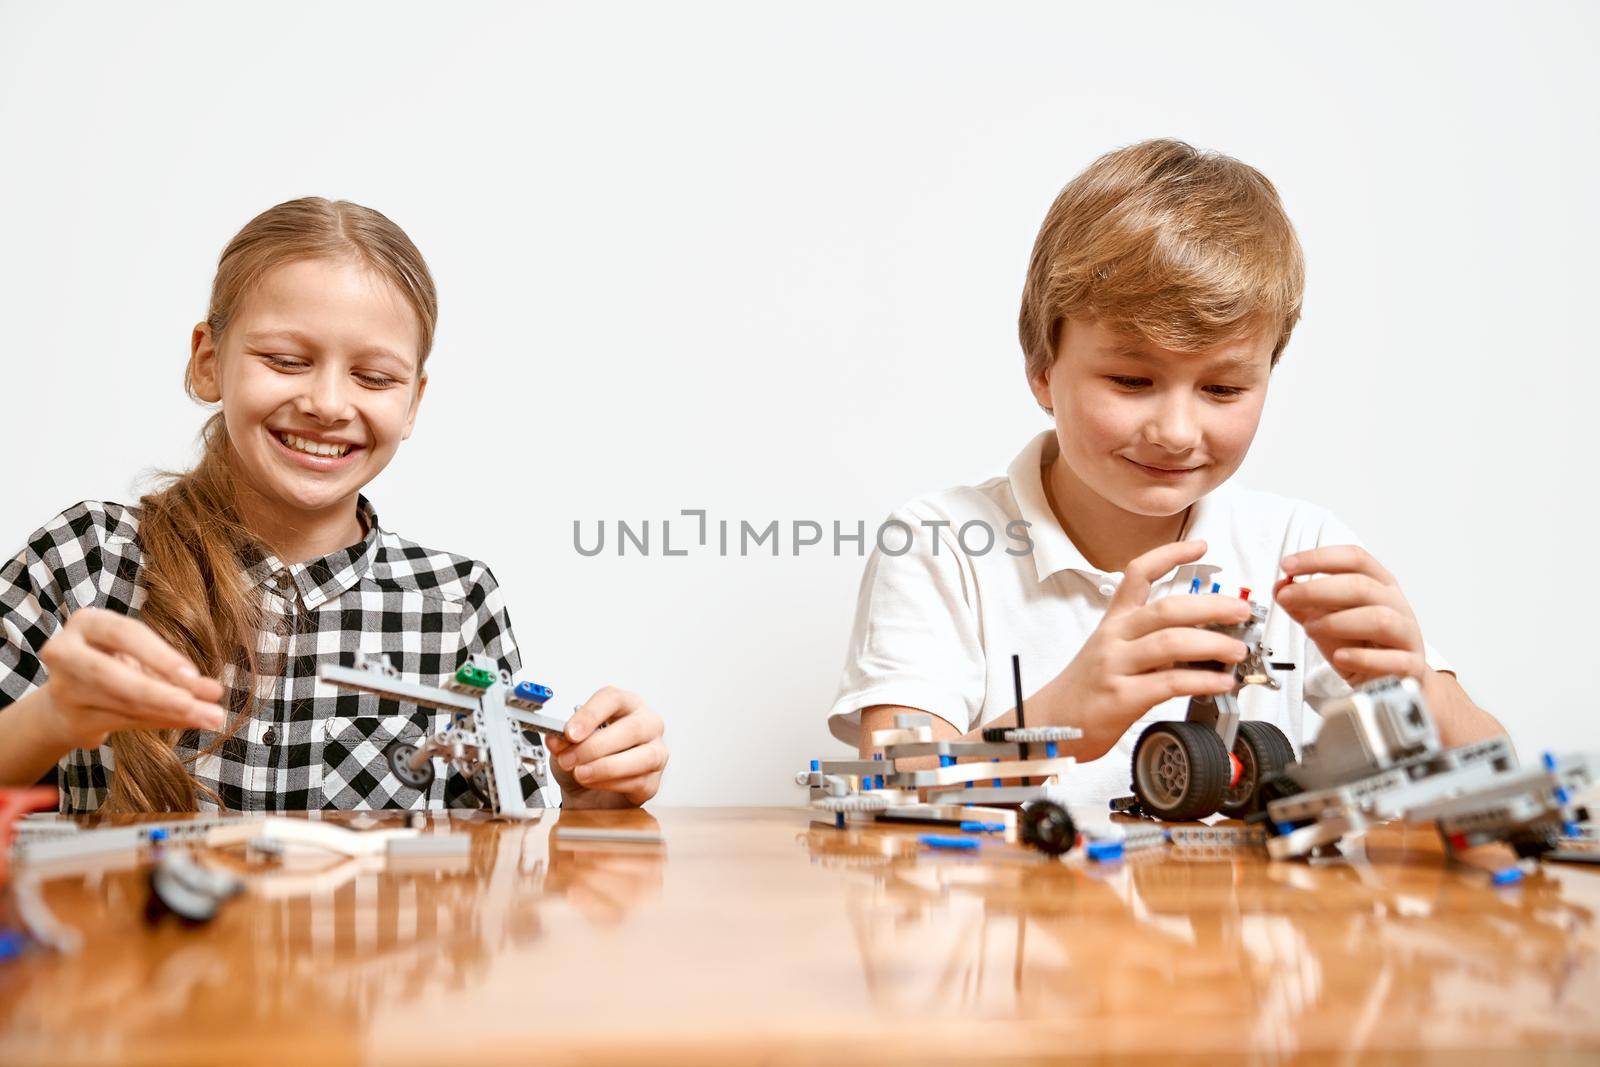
[968, 796]
[486, 740]
[15, 803]
[1377, 758]
[1210, 761]
[1532, 810]
[181, 886]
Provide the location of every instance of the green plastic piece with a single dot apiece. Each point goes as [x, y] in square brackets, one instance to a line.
[474, 676]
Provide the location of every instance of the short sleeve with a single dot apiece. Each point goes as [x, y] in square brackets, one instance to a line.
[1323, 683]
[916, 640]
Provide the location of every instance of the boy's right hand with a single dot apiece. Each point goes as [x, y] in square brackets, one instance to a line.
[1133, 660]
[109, 672]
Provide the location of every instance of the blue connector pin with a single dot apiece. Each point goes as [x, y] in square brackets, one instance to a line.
[956, 844]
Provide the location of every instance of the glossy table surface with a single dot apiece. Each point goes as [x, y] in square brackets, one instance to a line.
[761, 935]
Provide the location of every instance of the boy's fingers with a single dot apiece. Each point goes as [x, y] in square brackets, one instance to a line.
[1380, 662]
[1336, 559]
[1165, 648]
[1319, 596]
[1145, 569]
[110, 632]
[1201, 609]
[1161, 686]
[1379, 624]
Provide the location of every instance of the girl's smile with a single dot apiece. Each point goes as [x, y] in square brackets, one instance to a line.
[319, 378]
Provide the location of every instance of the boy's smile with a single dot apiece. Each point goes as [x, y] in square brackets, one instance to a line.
[319, 382]
[1144, 431]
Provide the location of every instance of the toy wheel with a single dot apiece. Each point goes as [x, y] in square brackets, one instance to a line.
[1180, 770]
[1270, 789]
[1531, 844]
[399, 755]
[1047, 827]
[1263, 752]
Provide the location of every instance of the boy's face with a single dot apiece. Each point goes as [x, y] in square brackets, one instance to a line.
[319, 379]
[1149, 429]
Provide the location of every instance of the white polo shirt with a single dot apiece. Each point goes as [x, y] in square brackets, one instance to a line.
[936, 626]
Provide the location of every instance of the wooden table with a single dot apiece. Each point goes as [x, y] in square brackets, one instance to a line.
[760, 935]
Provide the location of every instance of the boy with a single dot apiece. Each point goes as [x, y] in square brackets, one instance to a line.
[1163, 287]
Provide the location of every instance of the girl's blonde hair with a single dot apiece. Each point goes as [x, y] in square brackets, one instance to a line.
[1182, 248]
[191, 537]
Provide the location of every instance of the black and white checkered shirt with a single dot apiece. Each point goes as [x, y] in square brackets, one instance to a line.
[308, 744]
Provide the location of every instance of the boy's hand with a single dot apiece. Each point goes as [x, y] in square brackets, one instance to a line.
[1134, 659]
[624, 759]
[1355, 613]
[109, 672]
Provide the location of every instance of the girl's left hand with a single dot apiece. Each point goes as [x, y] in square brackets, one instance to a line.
[1353, 609]
[612, 745]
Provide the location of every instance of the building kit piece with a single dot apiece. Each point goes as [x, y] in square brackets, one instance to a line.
[618, 836]
[958, 794]
[1377, 758]
[885, 738]
[1527, 809]
[952, 844]
[1217, 836]
[441, 845]
[1210, 761]
[180, 885]
[486, 739]
[313, 832]
[15, 803]
[68, 848]
[963, 773]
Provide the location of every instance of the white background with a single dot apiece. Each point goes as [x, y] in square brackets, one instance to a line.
[766, 261]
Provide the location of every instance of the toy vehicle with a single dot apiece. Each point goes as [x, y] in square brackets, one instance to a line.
[1377, 757]
[972, 795]
[1210, 761]
[486, 739]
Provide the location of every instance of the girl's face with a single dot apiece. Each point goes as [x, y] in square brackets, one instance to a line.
[319, 378]
[1148, 429]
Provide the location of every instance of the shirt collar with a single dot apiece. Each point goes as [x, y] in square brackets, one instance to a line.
[1053, 550]
[320, 580]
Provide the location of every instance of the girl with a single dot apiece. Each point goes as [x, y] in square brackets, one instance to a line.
[264, 561]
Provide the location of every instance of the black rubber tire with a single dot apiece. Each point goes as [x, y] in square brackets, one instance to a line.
[1047, 827]
[1263, 752]
[1186, 768]
[398, 754]
[1532, 844]
[1269, 790]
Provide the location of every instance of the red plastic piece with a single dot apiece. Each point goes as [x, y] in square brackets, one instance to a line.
[14, 804]
[1244, 592]
[1235, 771]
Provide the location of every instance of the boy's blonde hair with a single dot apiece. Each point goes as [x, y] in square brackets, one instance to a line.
[1182, 248]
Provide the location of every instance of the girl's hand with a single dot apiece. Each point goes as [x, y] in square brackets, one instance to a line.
[612, 745]
[1139, 654]
[109, 672]
[1356, 614]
